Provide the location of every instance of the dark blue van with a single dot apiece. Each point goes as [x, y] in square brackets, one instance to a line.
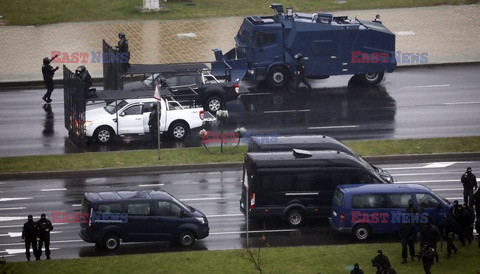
[139, 216]
[381, 208]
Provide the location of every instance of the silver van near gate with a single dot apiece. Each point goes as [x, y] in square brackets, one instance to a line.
[139, 216]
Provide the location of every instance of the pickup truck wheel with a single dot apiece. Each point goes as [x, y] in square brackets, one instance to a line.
[178, 131]
[278, 77]
[214, 104]
[103, 135]
[372, 79]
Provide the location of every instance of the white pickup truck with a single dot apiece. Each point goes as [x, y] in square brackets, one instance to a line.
[130, 117]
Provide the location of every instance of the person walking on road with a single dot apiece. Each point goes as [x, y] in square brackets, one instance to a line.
[469, 182]
[48, 72]
[300, 72]
[44, 227]
[29, 236]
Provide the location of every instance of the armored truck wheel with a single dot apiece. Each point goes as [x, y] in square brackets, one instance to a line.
[278, 77]
[371, 79]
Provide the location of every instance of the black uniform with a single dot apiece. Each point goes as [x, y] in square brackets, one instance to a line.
[447, 229]
[430, 235]
[408, 233]
[153, 123]
[82, 73]
[427, 254]
[29, 235]
[469, 182]
[123, 51]
[48, 72]
[356, 269]
[300, 73]
[381, 262]
[44, 227]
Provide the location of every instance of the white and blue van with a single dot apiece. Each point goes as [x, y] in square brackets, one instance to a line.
[366, 209]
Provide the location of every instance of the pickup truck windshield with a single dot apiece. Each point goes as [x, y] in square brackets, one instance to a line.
[150, 80]
[115, 106]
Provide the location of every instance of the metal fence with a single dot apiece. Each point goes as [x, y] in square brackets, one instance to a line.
[112, 68]
[74, 106]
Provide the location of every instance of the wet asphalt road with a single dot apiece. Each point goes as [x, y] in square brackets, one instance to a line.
[421, 102]
[216, 193]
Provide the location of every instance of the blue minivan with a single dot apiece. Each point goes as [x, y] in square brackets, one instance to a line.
[139, 216]
[366, 209]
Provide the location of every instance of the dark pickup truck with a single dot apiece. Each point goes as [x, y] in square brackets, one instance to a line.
[202, 86]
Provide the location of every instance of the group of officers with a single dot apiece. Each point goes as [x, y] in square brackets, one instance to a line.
[459, 222]
[35, 234]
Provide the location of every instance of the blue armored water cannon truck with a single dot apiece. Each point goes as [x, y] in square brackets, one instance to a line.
[331, 45]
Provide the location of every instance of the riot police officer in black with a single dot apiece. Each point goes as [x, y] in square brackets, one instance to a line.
[431, 235]
[48, 72]
[123, 51]
[300, 72]
[44, 228]
[426, 255]
[29, 236]
[408, 234]
[447, 229]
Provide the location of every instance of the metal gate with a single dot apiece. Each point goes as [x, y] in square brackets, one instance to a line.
[112, 68]
[74, 106]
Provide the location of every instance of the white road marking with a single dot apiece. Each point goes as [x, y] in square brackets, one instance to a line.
[19, 234]
[334, 127]
[51, 242]
[224, 215]
[462, 103]
[12, 208]
[186, 35]
[12, 226]
[427, 86]
[287, 111]
[426, 181]
[77, 205]
[202, 199]
[14, 199]
[439, 165]
[6, 219]
[253, 231]
[149, 185]
[53, 189]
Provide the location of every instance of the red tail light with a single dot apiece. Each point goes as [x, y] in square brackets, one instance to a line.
[342, 217]
[252, 201]
[201, 114]
[237, 87]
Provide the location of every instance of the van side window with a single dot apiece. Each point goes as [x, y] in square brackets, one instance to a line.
[368, 201]
[141, 209]
[166, 208]
[308, 181]
[426, 201]
[398, 200]
[110, 208]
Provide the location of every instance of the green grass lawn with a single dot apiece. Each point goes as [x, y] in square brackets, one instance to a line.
[32, 12]
[199, 155]
[316, 259]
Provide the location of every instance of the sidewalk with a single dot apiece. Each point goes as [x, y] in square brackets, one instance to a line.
[448, 34]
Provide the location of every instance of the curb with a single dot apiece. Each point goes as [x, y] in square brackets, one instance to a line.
[99, 81]
[375, 160]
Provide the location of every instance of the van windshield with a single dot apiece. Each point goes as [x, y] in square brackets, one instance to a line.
[184, 206]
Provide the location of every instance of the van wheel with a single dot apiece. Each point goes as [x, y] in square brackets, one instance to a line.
[294, 217]
[186, 238]
[371, 79]
[111, 242]
[361, 232]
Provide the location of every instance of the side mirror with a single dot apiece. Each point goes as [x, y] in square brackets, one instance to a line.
[122, 114]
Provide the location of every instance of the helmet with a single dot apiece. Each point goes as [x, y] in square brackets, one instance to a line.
[80, 69]
[46, 60]
[298, 56]
[121, 35]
